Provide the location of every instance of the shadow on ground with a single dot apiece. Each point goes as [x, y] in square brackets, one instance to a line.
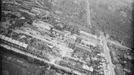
[133, 19]
[133, 38]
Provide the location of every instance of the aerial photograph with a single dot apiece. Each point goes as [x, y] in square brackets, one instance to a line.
[67, 37]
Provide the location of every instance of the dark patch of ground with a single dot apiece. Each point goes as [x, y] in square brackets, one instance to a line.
[114, 17]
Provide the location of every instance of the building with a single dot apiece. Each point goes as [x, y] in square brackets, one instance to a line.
[41, 12]
[42, 25]
[77, 45]
[13, 42]
[87, 43]
[87, 34]
[87, 40]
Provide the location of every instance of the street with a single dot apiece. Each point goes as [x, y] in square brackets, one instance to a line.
[107, 55]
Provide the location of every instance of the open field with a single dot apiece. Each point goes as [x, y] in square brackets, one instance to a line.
[114, 17]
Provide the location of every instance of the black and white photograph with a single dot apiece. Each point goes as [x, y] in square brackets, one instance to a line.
[67, 37]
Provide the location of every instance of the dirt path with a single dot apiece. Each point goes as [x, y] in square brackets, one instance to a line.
[88, 13]
[118, 44]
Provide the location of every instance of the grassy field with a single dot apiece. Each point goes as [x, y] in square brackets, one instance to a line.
[72, 12]
[12, 69]
[114, 17]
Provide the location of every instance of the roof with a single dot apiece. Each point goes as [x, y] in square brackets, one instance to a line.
[42, 24]
[91, 39]
[88, 34]
[78, 46]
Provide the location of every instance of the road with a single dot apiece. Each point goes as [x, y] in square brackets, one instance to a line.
[107, 55]
[118, 44]
[88, 13]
